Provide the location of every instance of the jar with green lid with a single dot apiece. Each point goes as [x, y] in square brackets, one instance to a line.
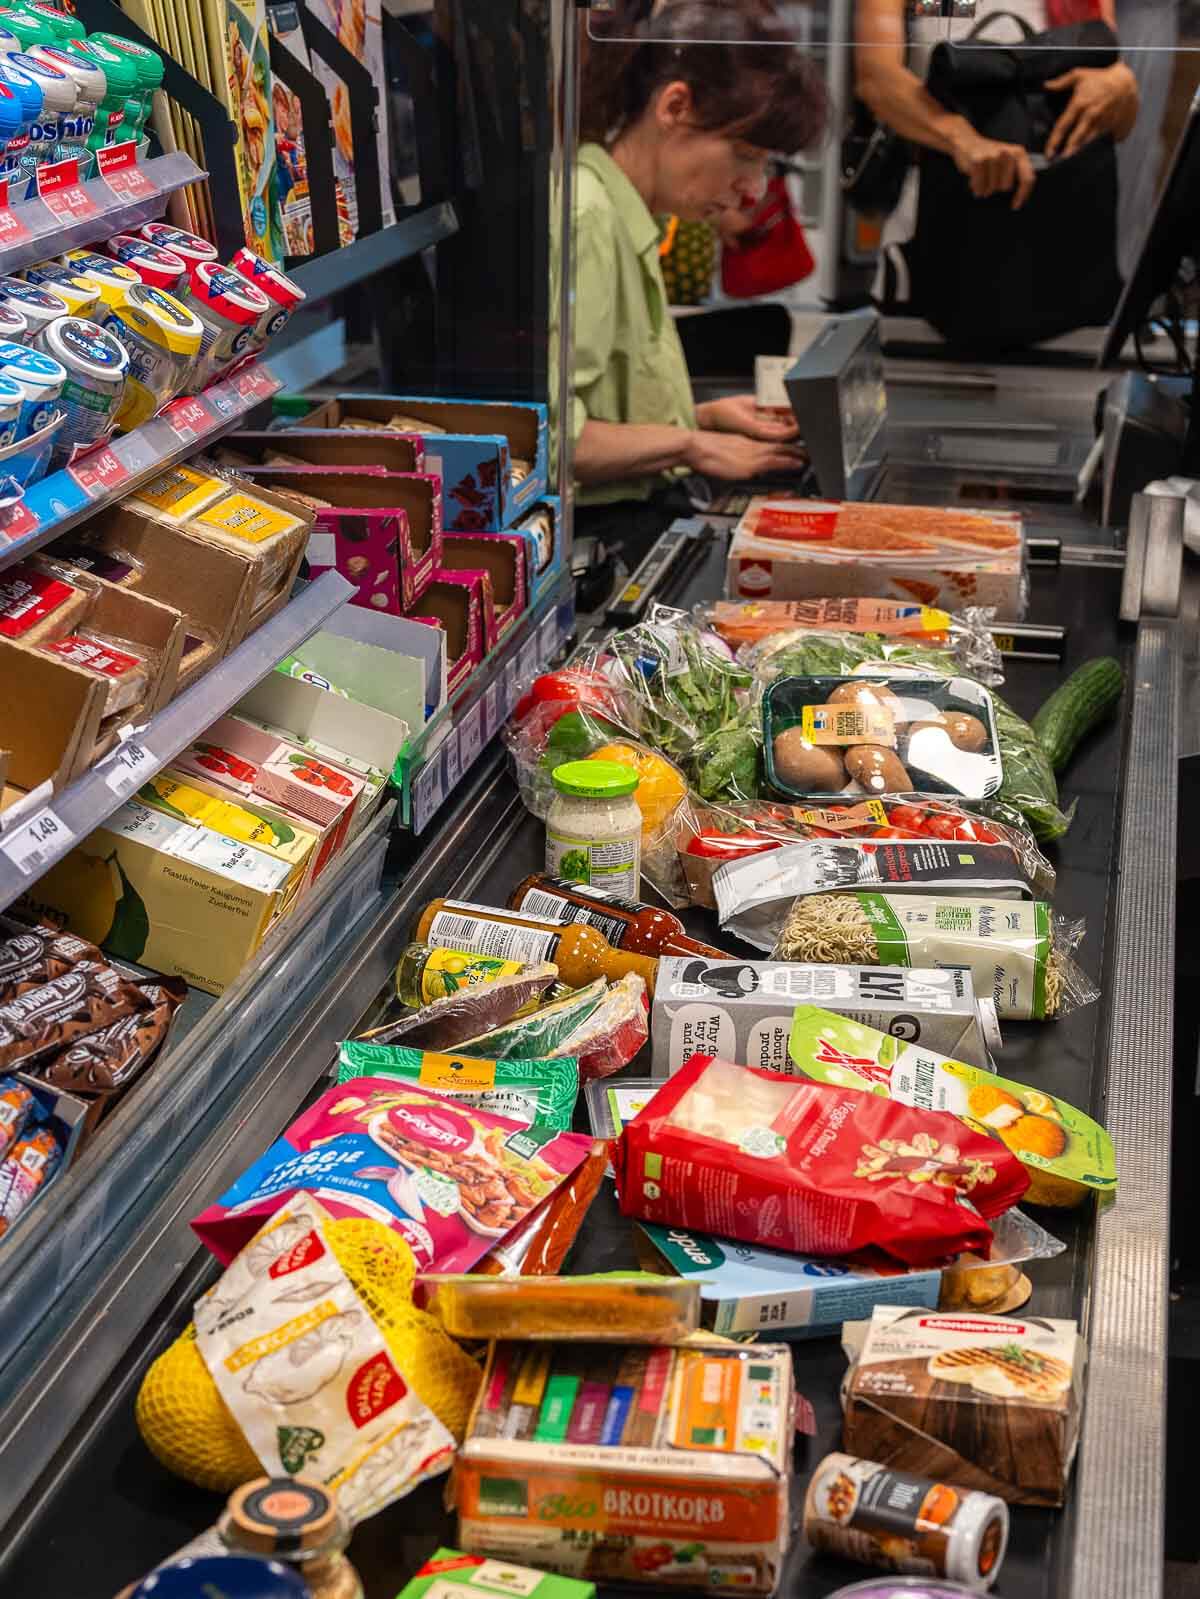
[298, 1522]
[594, 826]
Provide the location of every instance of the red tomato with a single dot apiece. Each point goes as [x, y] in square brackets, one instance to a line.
[729, 846]
[942, 826]
[972, 832]
[572, 686]
[891, 832]
[907, 816]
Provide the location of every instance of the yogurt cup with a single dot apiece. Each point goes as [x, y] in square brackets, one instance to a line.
[82, 297]
[95, 369]
[229, 309]
[36, 304]
[161, 269]
[11, 398]
[283, 294]
[162, 339]
[190, 246]
[40, 378]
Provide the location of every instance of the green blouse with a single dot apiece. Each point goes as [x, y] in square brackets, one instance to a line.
[629, 363]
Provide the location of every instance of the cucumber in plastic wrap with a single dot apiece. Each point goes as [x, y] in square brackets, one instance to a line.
[1029, 782]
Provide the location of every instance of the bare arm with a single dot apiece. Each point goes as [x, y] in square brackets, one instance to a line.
[608, 451]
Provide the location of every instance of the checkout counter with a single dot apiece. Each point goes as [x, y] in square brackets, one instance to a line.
[85, 1509]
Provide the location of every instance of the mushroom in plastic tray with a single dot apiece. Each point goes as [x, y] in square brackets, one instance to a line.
[880, 735]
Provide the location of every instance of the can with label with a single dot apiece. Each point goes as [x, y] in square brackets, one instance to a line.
[279, 289]
[162, 339]
[190, 246]
[96, 367]
[229, 309]
[891, 1519]
[11, 397]
[40, 378]
[160, 268]
[82, 296]
[37, 304]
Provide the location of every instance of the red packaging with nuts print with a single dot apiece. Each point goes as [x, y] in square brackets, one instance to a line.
[450, 1179]
[758, 1156]
[244, 760]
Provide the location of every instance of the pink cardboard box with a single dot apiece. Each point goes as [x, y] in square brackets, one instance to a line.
[321, 447]
[478, 583]
[454, 602]
[251, 763]
[505, 557]
[354, 491]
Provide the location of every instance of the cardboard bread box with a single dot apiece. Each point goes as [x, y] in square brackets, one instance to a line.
[457, 609]
[395, 452]
[505, 558]
[492, 455]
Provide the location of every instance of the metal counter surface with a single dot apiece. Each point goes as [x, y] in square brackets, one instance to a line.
[115, 1502]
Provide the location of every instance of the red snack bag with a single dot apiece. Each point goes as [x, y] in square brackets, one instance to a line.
[759, 1156]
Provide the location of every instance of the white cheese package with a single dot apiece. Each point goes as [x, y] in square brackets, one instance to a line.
[755, 894]
[742, 1010]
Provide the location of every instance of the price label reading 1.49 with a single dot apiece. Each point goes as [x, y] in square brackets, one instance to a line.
[131, 765]
[36, 843]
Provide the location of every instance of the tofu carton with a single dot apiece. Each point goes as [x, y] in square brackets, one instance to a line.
[742, 1010]
[747, 1288]
[178, 898]
[492, 455]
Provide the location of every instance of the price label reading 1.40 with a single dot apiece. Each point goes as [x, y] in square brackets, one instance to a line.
[130, 767]
[34, 844]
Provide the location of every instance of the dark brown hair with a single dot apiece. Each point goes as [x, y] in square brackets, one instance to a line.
[747, 81]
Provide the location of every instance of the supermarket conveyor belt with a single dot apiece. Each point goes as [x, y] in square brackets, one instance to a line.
[109, 1498]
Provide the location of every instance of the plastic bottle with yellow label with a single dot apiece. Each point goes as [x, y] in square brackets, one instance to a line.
[425, 974]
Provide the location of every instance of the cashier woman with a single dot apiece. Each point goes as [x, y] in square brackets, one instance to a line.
[670, 126]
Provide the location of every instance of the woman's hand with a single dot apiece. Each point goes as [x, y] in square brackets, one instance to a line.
[1103, 100]
[736, 458]
[991, 167]
[740, 414]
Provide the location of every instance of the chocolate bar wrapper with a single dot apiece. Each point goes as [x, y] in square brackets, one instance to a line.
[50, 1018]
[108, 1060]
[32, 956]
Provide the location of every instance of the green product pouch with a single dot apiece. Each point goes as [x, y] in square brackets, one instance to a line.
[539, 1035]
[542, 1091]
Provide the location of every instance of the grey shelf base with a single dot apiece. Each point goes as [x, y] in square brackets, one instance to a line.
[85, 803]
[343, 269]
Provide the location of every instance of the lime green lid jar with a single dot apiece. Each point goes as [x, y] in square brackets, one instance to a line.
[594, 827]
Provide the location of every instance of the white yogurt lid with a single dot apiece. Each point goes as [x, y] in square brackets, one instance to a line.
[11, 392]
[33, 296]
[31, 365]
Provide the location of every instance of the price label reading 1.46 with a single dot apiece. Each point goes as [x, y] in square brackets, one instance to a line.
[34, 844]
[130, 766]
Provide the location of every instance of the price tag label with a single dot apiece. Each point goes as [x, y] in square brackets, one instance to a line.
[99, 473]
[453, 761]
[548, 637]
[117, 165]
[428, 793]
[19, 522]
[34, 844]
[509, 693]
[253, 383]
[12, 229]
[470, 737]
[491, 711]
[529, 659]
[130, 766]
[58, 185]
[187, 417]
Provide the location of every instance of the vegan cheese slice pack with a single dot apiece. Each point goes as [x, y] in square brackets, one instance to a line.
[1066, 1153]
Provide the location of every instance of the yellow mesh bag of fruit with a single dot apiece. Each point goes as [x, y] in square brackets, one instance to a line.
[186, 1422]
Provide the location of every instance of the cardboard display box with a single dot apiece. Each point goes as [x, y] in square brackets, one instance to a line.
[456, 609]
[396, 452]
[54, 715]
[478, 584]
[178, 898]
[542, 531]
[476, 453]
[505, 558]
[382, 530]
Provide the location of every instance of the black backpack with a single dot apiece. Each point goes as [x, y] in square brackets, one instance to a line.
[991, 279]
